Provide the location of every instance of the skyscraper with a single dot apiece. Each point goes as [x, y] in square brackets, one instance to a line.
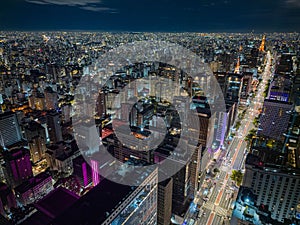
[36, 137]
[18, 166]
[112, 203]
[50, 99]
[164, 202]
[82, 170]
[7, 198]
[34, 188]
[275, 118]
[54, 127]
[276, 187]
[182, 190]
[10, 132]
[101, 104]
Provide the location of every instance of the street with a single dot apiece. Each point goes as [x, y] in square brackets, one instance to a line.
[216, 207]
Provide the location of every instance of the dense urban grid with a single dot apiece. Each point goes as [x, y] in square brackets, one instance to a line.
[244, 168]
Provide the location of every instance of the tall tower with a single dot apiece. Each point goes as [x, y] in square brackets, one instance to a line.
[237, 68]
[82, 170]
[262, 45]
[54, 127]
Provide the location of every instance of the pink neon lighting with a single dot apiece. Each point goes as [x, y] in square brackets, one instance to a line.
[85, 175]
[95, 174]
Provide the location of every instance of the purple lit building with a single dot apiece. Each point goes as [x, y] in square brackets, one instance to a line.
[7, 199]
[95, 172]
[17, 165]
[112, 203]
[34, 188]
[82, 170]
[51, 206]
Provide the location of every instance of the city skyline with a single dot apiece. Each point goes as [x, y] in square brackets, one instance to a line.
[151, 113]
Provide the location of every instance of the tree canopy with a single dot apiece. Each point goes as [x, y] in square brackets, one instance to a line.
[237, 176]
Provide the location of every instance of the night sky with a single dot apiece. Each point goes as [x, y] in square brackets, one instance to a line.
[154, 15]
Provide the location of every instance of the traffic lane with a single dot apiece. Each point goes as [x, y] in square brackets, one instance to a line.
[210, 219]
[239, 157]
[218, 220]
[227, 198]
[203, 216]
[234, 150]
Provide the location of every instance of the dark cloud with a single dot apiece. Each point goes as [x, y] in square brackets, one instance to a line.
[151, 15]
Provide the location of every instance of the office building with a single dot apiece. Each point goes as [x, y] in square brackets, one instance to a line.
[36, 138]
[82, 170]
[246, 87]
[233, 87]
[51, 206]
[275, 185]
[7, 199]
[280, 88]
[10, 132]
[54, 126]
[51, 99]
[275, 118]
[101, 105]
[87, 136]
[34, 188]
[112, 203]
[17, 165]
[60, 156]
[37, 146]
[164, 202]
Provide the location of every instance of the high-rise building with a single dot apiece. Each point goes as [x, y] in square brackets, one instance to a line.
[164, 202]
[88, 137]
[182, 190]
[66, 113]
[10, 132]
[60, 156]
[34, 188]
[7, 199]
[233, 87]
[50, 99]
[195, 169]
[17, 165]
[245, 87]
[36, 137]
[206, 126]
[276, 187]
[37, 146]
[280, 88]
[101, 104]
[82, 170]
[275, 119]
[54, 126]
[112, 203]
[37, 101]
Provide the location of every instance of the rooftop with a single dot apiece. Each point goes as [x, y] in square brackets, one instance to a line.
[32, 182]
[56, 202]
[96, 205]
